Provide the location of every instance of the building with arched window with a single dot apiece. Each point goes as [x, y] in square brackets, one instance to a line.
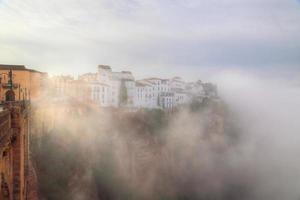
[26, 83]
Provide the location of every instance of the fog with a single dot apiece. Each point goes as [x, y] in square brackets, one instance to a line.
[268, 113]
[244, 146]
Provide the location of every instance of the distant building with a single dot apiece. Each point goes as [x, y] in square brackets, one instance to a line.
[145, 95]
[166, 100]
[100, 93]
[27, 83]
[158, 85]
[61, 85]
[177, 83]
[110, 89]
[88, 77]
[161, 93]
[107, 88]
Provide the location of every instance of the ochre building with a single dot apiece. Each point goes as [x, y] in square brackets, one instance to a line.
[26, 83]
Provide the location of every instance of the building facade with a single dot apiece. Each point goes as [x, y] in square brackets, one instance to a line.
[26, 83]
[107, 88]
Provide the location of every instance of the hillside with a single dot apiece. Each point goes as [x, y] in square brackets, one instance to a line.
[149, 154]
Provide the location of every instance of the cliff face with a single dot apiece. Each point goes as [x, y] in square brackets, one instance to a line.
[15, 168]
[142, 155]
[32, 183]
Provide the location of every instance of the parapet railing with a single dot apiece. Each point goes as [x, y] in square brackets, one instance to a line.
[7, 120]
[8, 104]
[5, 126]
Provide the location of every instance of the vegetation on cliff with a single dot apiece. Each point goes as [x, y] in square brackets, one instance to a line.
[149, 154]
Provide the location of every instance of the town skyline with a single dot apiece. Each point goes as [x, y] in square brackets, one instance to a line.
[120, 89]
[149, 99]
[205, 75]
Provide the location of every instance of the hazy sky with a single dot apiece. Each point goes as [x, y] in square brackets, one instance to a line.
[191, 38]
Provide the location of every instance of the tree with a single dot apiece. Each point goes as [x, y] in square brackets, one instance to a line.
[123, 96]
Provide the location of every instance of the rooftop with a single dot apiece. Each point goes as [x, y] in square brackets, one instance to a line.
[99, 83]
[89, 74]
[17, 67]
[155, 78]
[152, 78]
[126, 72]
[104, 67]
[142, 83]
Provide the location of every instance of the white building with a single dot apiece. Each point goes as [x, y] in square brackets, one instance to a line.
[106, 87]
[160, 93]
[88, 77]
[104, 74]
[180, 98]
[100, 94]
[119, 89]
[145, 95]
[166, 100]
[177, 83]
[148, 92]
[61, 85]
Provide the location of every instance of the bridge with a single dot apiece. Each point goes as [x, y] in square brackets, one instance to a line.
[17, 177]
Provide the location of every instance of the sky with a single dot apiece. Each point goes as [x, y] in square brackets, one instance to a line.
[190, 38]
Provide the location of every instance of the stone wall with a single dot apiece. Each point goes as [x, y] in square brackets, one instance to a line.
[16, 172]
